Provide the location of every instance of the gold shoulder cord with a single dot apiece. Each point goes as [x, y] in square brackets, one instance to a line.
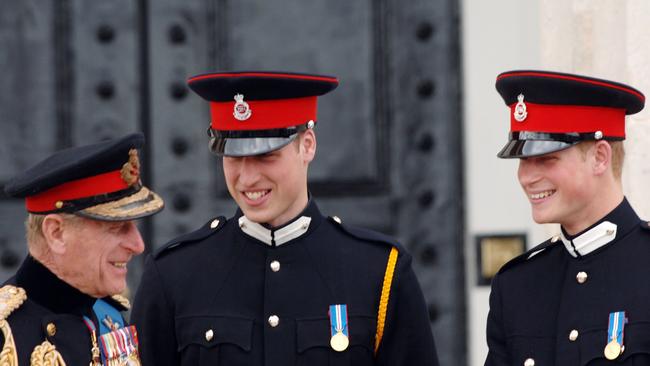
[385, 295]
[46, 354]
[11, 297]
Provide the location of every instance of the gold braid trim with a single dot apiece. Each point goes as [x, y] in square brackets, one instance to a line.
[385, 295]
[46, 354]
[122, 300]
[147, 201]
[11, 297]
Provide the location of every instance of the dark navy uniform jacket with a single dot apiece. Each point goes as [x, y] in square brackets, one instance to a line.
[553, 308]
[220, 296]
[51, 302]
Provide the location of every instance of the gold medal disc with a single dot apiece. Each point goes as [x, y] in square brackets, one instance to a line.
[339, 342]
[612, 350]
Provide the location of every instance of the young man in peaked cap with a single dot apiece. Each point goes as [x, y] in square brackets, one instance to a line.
[278, 283]
[63, 305]
[581, 297]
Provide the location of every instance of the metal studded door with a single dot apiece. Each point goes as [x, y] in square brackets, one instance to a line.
[389, 138]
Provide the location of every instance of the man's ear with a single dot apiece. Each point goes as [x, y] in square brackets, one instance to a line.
[308, 145]
[53, 231]
[602, 157]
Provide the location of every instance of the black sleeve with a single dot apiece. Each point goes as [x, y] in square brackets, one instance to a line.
[498, 352]
[407, 338]
[153, 317]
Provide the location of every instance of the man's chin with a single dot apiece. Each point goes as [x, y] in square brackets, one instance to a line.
[258, 216]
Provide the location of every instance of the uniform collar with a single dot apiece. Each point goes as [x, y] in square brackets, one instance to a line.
[277, 236]
[45, 288]
[614, 225]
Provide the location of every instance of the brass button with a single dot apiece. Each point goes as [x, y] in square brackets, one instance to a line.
[58, 204]
[51, 329]
[581, 277]
[275, 266]
[209, 334]
[573, 335]
[274, 320]
[529, 362]
[214, 224]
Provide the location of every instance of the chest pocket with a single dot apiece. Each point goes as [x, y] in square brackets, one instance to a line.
[204, 340]
[636, 340]
[313, 342]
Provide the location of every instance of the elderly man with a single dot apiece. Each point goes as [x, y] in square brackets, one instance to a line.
[63, 305]
[278, 283]
[581, 297]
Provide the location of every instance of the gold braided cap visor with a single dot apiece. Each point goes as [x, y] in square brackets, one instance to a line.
[140, 204]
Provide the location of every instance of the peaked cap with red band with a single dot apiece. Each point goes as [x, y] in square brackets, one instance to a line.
[100, 181]
[551, 111]
[255, 112]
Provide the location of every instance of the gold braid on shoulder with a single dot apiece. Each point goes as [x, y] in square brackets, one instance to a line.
[11, 297]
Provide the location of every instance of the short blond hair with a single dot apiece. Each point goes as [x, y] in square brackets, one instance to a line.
[618, 155]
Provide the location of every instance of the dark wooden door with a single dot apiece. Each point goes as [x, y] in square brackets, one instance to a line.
[389, 138]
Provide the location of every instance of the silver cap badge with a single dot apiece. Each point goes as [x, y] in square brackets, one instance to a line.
[241, 110]
[520, 113]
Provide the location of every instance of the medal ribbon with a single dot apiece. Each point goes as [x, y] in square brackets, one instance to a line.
[338, 319]
[120, 344]
[93, 334]
[616, 326]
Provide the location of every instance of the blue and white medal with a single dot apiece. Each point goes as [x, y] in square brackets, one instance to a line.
[339, 327]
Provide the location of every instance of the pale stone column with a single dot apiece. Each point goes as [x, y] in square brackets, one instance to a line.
[608, 39]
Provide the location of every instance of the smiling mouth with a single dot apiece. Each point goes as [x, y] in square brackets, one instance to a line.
[253, 196]
[119, 264]
[540, 195]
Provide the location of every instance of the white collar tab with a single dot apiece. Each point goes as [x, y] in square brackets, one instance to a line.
[275, 237]
[590, 240]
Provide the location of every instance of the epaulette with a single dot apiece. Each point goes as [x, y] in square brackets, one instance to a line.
[11, 297]
[363, 234]
[645, 225]
[124, 303]
[206, 230]
[530, 254]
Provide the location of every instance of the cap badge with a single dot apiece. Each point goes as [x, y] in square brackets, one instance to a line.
[520, 109]
[131, 169]
[241, 111]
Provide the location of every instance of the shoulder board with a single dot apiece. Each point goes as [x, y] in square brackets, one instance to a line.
[120, 302]
[363, 234]
[11, 297]
[645, 225]
[206, 230]
[528, 254]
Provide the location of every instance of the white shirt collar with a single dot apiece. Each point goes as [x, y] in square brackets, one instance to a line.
[275, 237]
[590, 240]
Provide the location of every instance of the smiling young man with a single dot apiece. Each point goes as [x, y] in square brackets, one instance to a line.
[63, 304]
[278, 283]
[575, 299]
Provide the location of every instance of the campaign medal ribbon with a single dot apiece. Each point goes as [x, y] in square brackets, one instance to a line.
[96, 360]
[121, 347]
[339, 327]
[614, 347]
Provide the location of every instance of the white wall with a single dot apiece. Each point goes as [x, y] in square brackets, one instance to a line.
[496, 36]
[603, 38]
